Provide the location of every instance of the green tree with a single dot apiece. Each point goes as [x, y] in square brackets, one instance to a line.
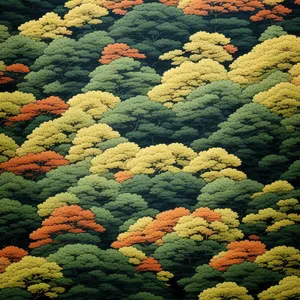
[16, 187]
[207, 106]
[155, 29]
[205, 277]
[123, 77]
[225, 192]
[4, 33]
[94, 190]
[292, 173]
[64, 67]
[166, 190]
[60, 179]
[141, 121]
[273, 31]
[250, 128]
[127, 206]
[21, 49]
[17, 221]
[251, 276]
[107, 271]
[181, 256]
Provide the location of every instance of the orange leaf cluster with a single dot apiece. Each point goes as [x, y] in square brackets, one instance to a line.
[51, 105]
[275, 14]
[72, 219]
[9, 255]
[120, 7]
[237, 253]
[17, 68]
[149, 264]
[114, 51]
[123, 176]
[205, 7]
[5, 79]
[253, 237]
[154, 231]
[170, 2]
[230, 48]
[33, 164]
[207, 214]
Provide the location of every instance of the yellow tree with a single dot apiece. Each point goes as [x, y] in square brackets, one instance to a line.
[178, 82]
[114, 159]
[58, 131]
[11, 103]
[225, 291]
[271, 55]
[215, 163]
[94, 103]
[35, 274]
[282, 99]
[49, 26]
[223, 229]
[295, 72]
[287, 213]
[276, 187]
[49, 205]
[164, 276]
[8, 147]
[158, 158]
[202, 45]
[73, 3]
[135, 256]
[226, 229]
[287, 288]
[87, 140]
[282, 259]
[86, 13]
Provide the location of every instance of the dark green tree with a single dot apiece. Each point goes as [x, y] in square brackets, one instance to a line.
[154, 28]
[204, 278]
[252, 277]
[124, 77]
[182, 256]
[16, 222]
[141, 121]
[64, 67]
[228, 193]
[21, 49]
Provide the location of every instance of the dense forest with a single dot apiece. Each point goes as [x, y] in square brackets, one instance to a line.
[149, 150]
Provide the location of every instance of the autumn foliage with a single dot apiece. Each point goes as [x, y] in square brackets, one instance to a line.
[71, 219]
[51, 105]
[17, 68]
[207, 7]
[120, 7]
[123, 176]
[9, 255]
[230, 48]
[12, 72]
[114, 51]
[274, 14]
[207, 214]
[149, 264]
[32, 164]
[148, 230]
[237, 253]
[5, 79]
